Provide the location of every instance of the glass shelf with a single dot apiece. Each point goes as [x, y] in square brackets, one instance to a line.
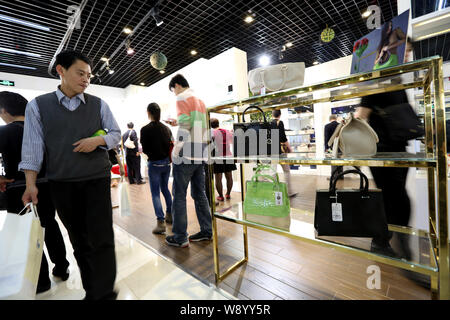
[381, 159]
[300, 225]
[345, 88]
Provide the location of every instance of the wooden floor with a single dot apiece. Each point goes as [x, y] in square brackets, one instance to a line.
[278, 267]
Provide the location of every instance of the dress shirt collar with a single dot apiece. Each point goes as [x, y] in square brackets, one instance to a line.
[61, 95]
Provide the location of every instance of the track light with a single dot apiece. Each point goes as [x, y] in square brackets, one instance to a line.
[110, 71]
[130, 50]
[127, 30]
[162, 71]
[193, 52]
[155, 13]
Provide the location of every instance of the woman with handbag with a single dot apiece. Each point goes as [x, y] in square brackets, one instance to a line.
[285, 147]
[223, 140]
[156, 141]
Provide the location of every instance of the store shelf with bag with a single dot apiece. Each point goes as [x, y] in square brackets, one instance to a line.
[430, 256]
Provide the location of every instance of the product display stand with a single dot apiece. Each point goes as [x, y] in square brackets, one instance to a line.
[430, 249]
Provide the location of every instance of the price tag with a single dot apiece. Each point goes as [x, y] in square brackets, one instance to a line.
[336, 212]
[279, 198]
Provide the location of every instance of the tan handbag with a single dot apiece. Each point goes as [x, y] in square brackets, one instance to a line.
[355, 138]
[277, 77]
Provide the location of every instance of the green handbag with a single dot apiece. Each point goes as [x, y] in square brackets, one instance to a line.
[266, 198]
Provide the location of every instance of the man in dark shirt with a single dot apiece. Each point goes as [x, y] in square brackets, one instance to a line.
[133, 157]
[12, 111]
[329, 130]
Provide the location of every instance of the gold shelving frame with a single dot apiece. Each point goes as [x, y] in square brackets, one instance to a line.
[434, 160]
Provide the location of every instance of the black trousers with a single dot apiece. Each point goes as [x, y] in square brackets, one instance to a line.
[133, 168]
[392, 182]
[86, 211]
[53, 238]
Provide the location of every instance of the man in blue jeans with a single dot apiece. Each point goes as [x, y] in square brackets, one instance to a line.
[188, 165]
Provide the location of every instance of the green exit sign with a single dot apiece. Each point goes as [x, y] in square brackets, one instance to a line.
[7, 83]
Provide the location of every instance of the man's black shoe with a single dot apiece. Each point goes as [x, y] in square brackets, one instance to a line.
[62, 274]
[41, 289]
[141, 182]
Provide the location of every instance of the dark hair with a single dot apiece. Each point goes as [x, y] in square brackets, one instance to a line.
[276, 113]
[68, 57]
[178, 79]
[385, 35]
[333, 117]
[155, 111]
[130, 125]
[214, 123]
[13, 103]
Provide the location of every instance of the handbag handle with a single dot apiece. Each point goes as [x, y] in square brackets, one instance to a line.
[283, 69]
[274, 180]
[334, 178]
[364, 190]
[263, 167]
[253, 107]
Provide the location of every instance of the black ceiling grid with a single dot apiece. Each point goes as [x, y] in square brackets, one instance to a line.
[208, 26]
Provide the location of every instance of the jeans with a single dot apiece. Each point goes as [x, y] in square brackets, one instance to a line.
[158, 173]
[182, 175]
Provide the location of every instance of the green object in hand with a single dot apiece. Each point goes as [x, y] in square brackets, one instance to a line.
[267, 198]
[100, 132]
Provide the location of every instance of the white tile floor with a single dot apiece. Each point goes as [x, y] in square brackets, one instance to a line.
[141, 275]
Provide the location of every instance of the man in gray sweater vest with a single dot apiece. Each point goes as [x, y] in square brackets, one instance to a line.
[62, 125]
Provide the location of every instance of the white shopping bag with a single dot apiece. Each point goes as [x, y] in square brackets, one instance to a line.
[125, 210]
[21, 249]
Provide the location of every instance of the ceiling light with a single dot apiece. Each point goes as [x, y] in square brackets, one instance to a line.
[104, 59]
[111, 71]
[366, 14]
[431, 20]
[130, 51]
[127, 30]
[142, 83]
[249, 19]
[315, 63]
[20, 52]
[155, 13]
[289, 44]
[432, 35]
[162, 71]
[24, 23]
[264, 61]
[193, 52]
[16, 66]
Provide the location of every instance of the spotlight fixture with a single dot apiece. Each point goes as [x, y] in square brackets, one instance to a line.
[127, 30]
[193, 52]
[289, 44]
[264, 61]
[104, 59]
[155, 13]
[130, 50]
[315, 62]
[142, 83]
[250, 17]
[162, 71]
[366, 14]
[110, 71]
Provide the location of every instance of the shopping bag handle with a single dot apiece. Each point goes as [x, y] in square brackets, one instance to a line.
[29, 207]
[253, 107]
[365, 190]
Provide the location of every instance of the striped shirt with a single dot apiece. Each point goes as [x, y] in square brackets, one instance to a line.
[33, 145]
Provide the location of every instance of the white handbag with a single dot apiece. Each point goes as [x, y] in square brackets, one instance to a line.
[277, 77]
[21, 250]
[355, 138]
[129, 144]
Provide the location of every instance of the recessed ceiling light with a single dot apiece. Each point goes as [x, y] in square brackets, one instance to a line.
[289, 44]
[23, 22]
[193, 52]
[162, 71]
[104, 59]
[20, 52]
[366, 14]
[315, 63]
[127, 30]
[264, 61]
[130, 51]
[142, 83]
[249, 19]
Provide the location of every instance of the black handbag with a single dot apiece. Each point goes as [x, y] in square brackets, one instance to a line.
[255, 138]
[350, 212]
[401, 122]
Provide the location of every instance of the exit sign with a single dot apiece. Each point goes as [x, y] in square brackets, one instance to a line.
[7, 83]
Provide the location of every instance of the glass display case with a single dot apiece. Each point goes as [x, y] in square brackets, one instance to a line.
[431, 249]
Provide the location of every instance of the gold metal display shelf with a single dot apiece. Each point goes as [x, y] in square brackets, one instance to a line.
[432, 251]
[381, 159]
[299, 225]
